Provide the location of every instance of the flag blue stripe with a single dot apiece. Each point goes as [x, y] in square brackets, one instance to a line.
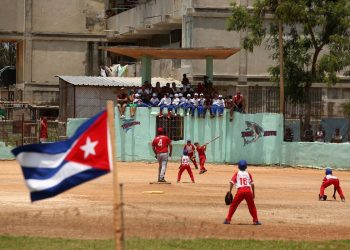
[57, 147]
[41, 173]
[67, 184]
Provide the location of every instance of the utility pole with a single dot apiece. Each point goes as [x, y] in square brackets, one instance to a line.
[281, 60]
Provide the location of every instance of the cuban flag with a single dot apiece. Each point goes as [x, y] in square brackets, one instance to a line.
[52, 168]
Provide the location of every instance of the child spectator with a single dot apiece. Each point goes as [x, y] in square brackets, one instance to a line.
[245, 191]
[207, 105]
[194, 103]
[165, 102]
[337, 137]
[185, 165]
[158, 90]
[191, 152]
[201, 105]
[154, 101]
[328, 180]
[122, 100]
[175, 104]
[187, 105]
[200, 88]
[133, 101]
[202, 157]
[218, 106]
[237, 104]
[320, 134]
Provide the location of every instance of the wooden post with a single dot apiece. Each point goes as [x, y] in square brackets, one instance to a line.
[118, 235]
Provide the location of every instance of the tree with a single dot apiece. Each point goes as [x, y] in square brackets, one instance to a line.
[7, 54]
[316, 40]
[346, 111]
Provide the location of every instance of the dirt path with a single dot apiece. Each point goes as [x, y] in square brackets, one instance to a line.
[286, 199]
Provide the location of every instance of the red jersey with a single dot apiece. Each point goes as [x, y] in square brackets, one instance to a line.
[190, 149]
[161, 143]
[201, 150]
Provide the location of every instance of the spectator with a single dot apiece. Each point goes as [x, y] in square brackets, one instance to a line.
[185, 80]
[207, 105]
[187, 105]
[200, 88]
[208, 84]
[43, 130]
[309, 134]
[229, 102]
[237, 104]
[195, 103]
[288, 135]
[154, 101]
[337, 137]
[157, 89]
[218, 106]
[165, 102]
[102, 71]
[122, 100]
[133, 99]
[175, 104]
[201, 105]
[174, 89]
[320, 134]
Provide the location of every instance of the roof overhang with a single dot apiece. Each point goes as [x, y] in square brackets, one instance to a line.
[173, 53]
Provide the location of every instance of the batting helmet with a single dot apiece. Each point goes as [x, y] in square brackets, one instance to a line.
[242, 165]
[328, 171]
[185, 152]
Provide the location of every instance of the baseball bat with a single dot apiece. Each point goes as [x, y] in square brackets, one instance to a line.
[215, 138]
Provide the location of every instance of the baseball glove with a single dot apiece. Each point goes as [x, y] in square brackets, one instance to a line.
[228, 198]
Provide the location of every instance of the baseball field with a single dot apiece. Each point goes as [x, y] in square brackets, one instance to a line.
[286, 199]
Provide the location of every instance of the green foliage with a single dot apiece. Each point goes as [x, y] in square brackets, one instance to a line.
[316, 39]
[33, 243]
[346, 109]
[7, 54]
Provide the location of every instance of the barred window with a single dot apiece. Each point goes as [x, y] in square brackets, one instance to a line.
[173, 126]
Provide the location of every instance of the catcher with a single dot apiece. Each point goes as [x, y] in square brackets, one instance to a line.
[328, 180]
[245, 191]
[191, 152]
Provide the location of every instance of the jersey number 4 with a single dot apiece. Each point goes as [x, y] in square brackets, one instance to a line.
[243, 181]
[160, 143]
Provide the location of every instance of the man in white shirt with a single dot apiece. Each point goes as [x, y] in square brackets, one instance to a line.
[165, 102]
[154, 100]
[175, 103]
[195, 103]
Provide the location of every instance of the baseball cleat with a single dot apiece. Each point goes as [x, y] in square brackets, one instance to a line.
[226, 222]
[257, 223]
[162, 180]
[343, 199]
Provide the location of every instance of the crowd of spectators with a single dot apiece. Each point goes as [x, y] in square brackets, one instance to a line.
[193, 100]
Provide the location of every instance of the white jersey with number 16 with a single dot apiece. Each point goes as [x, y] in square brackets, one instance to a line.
[242, 179]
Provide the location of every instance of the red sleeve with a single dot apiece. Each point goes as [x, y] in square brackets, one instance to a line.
[234, 178]
[154, 142]
[169, 141]
[193, 148]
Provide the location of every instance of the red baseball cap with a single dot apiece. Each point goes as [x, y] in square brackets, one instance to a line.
[160, 130]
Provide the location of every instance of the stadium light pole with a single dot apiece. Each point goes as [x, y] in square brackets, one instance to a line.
[281, 61]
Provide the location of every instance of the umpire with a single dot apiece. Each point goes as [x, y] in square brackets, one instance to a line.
[162, 148]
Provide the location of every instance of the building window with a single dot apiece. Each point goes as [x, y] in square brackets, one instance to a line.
[173, 127]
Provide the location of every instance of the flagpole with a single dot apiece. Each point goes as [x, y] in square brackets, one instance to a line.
[116, 188]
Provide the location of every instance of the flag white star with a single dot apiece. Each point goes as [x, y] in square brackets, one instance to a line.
[89, 147]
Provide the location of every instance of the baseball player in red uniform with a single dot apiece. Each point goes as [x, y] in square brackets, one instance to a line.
[162, 147]
[185, 165]
[245, 191]
[202, 157]
[328, 180]
[191, 152]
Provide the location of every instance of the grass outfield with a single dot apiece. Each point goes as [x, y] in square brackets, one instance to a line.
[34, 243]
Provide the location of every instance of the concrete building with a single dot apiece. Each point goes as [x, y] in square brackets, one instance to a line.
[53, 38]
[202, 23]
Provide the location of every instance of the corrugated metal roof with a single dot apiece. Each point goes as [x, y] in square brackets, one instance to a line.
[114, 81]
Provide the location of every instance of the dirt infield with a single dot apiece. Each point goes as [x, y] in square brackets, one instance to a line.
[286, 199]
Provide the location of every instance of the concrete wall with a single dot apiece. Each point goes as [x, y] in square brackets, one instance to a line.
[67, 16]
[12, 15]
[51, 58]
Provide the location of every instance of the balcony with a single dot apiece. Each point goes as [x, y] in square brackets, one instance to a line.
[146, 19]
